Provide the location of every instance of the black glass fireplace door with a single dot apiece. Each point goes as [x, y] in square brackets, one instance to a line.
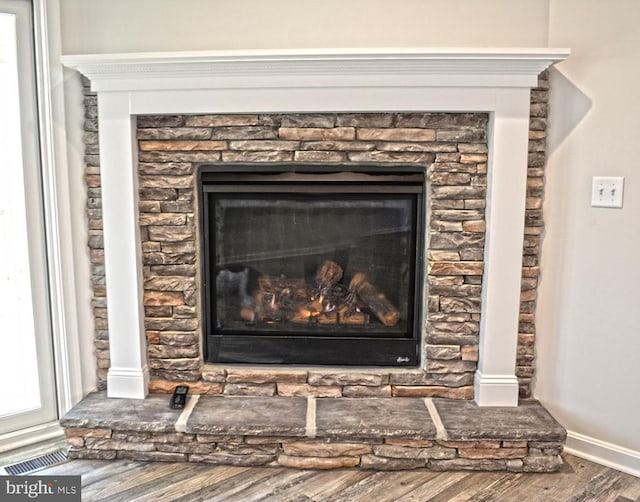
[312, 271]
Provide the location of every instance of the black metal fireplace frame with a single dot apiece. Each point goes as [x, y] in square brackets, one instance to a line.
[311, 178]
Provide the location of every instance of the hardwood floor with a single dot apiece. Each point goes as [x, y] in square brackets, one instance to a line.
[130, 481]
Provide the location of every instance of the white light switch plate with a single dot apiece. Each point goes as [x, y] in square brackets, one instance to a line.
[607, 191]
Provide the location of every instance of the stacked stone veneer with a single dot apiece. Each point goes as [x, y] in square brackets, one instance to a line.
[96, 243]
[451, 148]
[300, 453]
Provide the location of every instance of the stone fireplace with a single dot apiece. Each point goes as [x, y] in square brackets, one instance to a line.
[366, 153]
[461, 117]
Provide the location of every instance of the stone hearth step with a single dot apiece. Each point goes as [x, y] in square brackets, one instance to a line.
[318, 433]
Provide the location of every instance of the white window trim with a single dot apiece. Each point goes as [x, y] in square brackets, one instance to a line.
[57, 197]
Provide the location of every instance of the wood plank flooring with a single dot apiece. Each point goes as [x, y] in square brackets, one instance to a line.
[129, 481]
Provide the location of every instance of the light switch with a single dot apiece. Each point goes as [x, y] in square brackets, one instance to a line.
[607, 191]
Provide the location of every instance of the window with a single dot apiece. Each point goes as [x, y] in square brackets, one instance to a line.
[26, 360]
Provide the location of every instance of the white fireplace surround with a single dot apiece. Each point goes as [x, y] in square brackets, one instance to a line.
[497, 81]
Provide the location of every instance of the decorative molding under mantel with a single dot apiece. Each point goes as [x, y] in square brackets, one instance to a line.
[482, 67]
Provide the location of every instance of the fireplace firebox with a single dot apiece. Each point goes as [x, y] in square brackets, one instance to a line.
[312, 263]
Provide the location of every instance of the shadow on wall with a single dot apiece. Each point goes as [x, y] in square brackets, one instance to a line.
[569, 107]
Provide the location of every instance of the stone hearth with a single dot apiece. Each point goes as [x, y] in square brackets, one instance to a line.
[318, 433]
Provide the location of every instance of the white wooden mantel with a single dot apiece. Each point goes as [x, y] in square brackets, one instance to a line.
[497, 81]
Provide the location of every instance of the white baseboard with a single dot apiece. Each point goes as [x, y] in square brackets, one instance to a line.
[607, 454]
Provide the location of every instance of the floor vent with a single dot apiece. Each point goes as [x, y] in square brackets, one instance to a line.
[35, 464]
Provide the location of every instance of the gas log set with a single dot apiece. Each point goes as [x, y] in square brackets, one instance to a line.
[327, 300]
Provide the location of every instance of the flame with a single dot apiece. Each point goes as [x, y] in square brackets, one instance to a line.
[317, 304]
[305, 313]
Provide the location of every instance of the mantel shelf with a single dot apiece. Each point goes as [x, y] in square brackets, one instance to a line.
[481, 67]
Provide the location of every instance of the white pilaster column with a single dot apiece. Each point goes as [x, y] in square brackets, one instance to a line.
[128, 375]
[495, 381]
